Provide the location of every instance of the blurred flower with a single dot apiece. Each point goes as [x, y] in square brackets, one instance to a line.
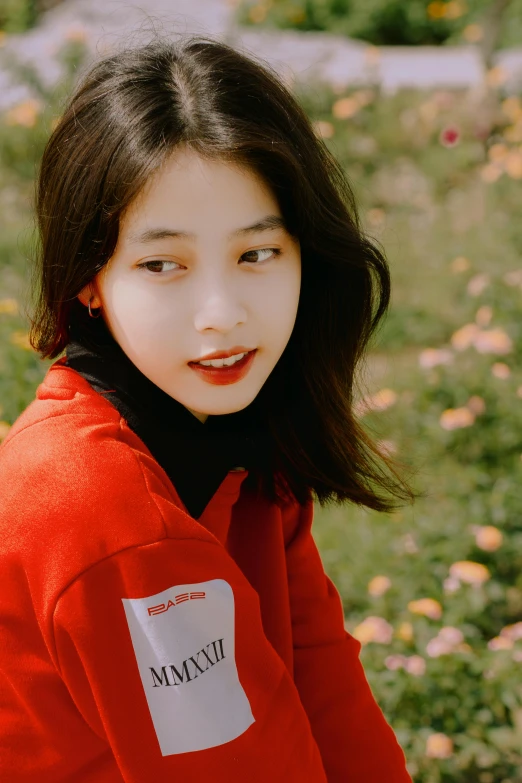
[493, 341]
[415, 665]
[473, 33]
[8, 306]
[432, 357]
[21, 339]
[405, 632]
[476, 405]
[517, 656]
[451, 635]
[500, 370]
[449, 136]
[500, 643]
[379, 585]
[257, 14]
[76, 33]
[376, 217]
[455, 9]
[324, 129]
[497, 152]
[428, 607]
[373, 629]
[437, 647]
[451, 584]
[496, 76]
[484, 315]
[3, 37]
[491, 172]
[439, 746]
[477, 284]
[344, 108]
[513, 631]
[436, 10]
[469, 572]
[512, 108]
[394, 662]
[463, 337]
[4, 429]
[460, 264]
[488, 538]
[513, 278]
[456, 418]
[24, 113]
[372, 55]
[379, 401]
[513, 164]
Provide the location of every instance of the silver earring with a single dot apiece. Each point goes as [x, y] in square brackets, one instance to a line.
[90, 313]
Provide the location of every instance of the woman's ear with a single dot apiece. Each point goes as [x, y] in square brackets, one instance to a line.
[85, 295]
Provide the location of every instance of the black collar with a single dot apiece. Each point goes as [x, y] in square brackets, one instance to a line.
[195, 455]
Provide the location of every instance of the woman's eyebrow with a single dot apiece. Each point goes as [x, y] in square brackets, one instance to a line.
[267, 223]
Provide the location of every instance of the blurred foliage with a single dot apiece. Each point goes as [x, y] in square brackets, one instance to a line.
[385, 22]
[433, 592]
[16, 16]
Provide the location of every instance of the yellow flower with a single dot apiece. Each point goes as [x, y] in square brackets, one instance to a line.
[379, 585]
[405, 632]
[428, 607]
[460, 264]
[488, 537]
[373, 629]
[8, 306]
[439, 746]
[456, 418]
[473, 33]
[469, 572]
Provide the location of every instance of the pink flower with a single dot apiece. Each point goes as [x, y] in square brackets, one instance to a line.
[449, 136]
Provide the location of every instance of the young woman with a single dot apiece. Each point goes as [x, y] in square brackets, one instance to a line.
[165, 613]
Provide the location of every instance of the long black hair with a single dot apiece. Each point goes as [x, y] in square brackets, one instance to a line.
[126, 116]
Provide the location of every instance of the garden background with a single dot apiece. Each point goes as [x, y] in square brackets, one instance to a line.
[433, 591]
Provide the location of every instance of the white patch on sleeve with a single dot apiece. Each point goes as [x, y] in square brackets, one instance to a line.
[184, 643]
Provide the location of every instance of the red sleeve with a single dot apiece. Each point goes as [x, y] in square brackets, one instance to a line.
[355, 741]
[162, 650]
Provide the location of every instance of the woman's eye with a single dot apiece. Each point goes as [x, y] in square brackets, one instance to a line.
[274, 251]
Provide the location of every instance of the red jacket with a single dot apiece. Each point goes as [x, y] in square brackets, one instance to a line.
[141, 645]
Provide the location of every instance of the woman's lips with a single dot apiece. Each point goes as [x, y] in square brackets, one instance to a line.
[222, 376]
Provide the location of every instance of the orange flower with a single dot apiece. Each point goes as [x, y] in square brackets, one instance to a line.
[24, 114]
[456, 418]
[324, 129]
[460, 264]
[488, 538]
[484, 315]
[439, 746]
[476, 405]
[428, 607]
[493, 341]
[379, 585]
[470, 572]
[463, 337]
[500, 643]
[501, 370]
[513, 631]
[373, 629]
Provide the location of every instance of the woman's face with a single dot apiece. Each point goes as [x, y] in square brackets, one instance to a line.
[202, 294]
